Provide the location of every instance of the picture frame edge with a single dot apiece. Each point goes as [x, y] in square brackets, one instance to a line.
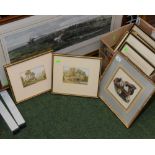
[29, 58]
[138, 54]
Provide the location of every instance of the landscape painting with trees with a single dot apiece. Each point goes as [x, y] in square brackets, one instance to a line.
[33, 76]
[54, 35]
[75, 75]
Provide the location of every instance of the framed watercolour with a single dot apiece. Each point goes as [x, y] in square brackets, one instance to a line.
[125, 89]
[78, 75]
[30, 77]
[139, 61]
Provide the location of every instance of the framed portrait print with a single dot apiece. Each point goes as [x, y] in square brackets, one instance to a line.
[30, 77]
[125, 89]
[78, 75]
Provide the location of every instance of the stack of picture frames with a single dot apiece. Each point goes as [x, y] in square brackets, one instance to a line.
[125, 86]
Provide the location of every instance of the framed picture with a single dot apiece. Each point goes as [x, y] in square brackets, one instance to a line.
[78, 75]
[36, 34]
[143, 50]
[144, 36]
[125, 89]
[139, 61]
[30, 77]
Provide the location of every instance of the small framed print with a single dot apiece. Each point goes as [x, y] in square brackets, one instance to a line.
[125, 89]
[78, 75]
[30, 77]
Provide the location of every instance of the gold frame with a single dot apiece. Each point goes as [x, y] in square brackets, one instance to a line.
[126, 43]
[142, 40]
[145, 76]
[85, 57]
[18, 62]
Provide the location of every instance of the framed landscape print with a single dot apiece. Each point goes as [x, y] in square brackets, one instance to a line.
[77, 75]
[30, 77]
[125, 89]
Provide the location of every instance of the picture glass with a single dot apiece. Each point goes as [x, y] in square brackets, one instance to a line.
[123, 88]
[33, 76]
[75, 75]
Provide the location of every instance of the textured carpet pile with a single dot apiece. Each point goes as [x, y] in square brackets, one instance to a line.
[56, 116]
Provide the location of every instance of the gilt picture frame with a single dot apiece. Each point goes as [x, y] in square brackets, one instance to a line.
[141, 48]
[141, 62]
[125, 89]
[74, 75]
[143, 35]
[33, 76]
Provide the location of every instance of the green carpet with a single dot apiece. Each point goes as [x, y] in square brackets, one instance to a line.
[56, 116]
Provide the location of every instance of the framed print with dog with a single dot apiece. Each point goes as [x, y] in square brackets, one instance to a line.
[125, 89]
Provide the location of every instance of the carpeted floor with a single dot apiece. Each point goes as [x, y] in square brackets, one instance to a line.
[56, 116]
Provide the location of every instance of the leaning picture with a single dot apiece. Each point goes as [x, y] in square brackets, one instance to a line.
[75, 75]
[33, 76]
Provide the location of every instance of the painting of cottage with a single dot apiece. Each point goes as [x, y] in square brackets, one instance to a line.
[33, 76]
[75, 75]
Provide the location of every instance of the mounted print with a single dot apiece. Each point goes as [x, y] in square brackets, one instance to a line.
[125, 89]
[33, 76]
[75, 75]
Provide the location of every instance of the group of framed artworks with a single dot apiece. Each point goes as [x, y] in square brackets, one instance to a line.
[63, 74]
[140, 49]
[125, 86]
[34, 35]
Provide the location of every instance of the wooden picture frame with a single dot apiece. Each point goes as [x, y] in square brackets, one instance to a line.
[131, 53]
[142, 49]
[143, 35]
[33, 76]
[74, 75]
[125, 89]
